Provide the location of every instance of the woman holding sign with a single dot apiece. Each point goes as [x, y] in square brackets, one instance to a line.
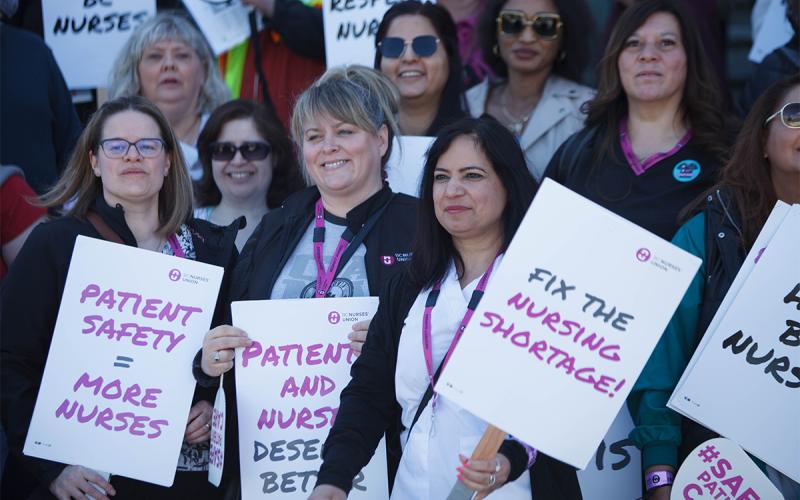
[764, 168]
[126, 183]
[417, 49]
[475, 192]
[342, 237]
[655, 136]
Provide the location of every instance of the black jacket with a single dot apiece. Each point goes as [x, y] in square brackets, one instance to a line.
[31, 296]
[270, 247]
[353, 439]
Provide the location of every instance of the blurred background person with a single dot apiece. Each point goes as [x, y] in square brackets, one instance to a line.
[417, 49]
[538, 49]
[248, 164]
[168, 61]
[18, 215]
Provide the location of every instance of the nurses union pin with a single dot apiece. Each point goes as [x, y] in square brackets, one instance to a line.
[686, 171]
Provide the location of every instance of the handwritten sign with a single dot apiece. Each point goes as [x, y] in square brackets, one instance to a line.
[86, 36]
[350, 27]
[755, 352]
[720, 469]
[287, 390]
[566, 325]
[216, 453]
[405, 165]
[616, 471]
[224, 24]
[116, 389]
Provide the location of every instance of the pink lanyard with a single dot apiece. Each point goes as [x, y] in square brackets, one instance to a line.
[427, 342]
[325, 278]
[175, 246]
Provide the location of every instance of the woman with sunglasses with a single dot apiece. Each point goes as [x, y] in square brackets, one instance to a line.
[417, 49]
[126, 182]
[248, 166]
[342, 237]
[655, 136]
[764, 168]
[475, 191]
[538, 49]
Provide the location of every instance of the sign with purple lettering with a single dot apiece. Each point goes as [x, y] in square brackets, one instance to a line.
[350, 27]
[404, 168]
[87, 35]
[720, 469]
[287, 391]
[754, 347]
[566, 325]
[117, 388]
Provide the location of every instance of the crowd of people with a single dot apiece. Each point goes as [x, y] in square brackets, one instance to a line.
[285, 187]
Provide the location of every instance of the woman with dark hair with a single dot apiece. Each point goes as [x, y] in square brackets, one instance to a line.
[538, 49]
[474, 194]
[655, 136]
[417, 49]
[764, 168]
[127, 183]
[248, 166]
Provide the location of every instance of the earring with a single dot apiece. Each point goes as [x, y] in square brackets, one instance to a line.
[496, 50]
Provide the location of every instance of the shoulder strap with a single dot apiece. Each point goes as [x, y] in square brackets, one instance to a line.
[425, 398]
[104, 229]
[571, 153]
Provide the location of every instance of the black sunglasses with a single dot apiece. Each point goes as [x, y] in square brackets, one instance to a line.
[251, 151]
[394, 47]
[545, 25]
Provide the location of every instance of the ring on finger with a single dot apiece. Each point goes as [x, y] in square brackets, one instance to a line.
[208, 426]
[216, 356]
[492, 479]
[496, 465]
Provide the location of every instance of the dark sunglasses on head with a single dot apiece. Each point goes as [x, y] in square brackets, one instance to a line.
[251, 151]
[789, 113]
[545, 25]
[394, 47]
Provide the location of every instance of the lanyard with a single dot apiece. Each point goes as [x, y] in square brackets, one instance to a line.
[177, 251]
[427, 342]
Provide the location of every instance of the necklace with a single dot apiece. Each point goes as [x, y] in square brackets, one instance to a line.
[514, 123]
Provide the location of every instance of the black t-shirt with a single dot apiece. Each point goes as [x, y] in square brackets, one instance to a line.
[652, 200]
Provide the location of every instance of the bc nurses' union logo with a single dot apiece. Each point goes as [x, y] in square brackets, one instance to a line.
[334, 317]
[686, 171]
[388, 260]
[643, 255]
[174, 275]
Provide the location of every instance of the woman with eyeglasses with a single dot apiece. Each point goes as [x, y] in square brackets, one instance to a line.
[417, 49]
[764, 168]
[343, 236]
[127, 183]
[656, 133]
[538, 49]
[475, 191]
[248, 166]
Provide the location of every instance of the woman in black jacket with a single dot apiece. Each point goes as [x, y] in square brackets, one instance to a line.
[128, 183]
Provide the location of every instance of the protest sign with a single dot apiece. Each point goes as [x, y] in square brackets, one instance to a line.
[566, 325]
[755, 352]
[117, 387]
[216, 453]
[86, 36]
[287, 391]
[720, 469]
[616, 471]
[224, 24]
[404, 168]
[350, 27]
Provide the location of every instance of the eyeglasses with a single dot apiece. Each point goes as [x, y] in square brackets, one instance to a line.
[117, 148]
[394, 47]
[789, 113]
[251, 151]
[546, 26]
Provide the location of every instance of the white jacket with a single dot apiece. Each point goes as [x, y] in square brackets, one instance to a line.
[556, 117]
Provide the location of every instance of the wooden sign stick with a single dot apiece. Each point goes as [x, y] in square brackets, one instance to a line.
[485, 450]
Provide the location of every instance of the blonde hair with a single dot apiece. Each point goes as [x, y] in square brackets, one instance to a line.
[167, 26]
[79, 185]
[352, 94]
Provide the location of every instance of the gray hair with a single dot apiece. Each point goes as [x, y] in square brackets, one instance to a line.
[352, 94]
[166, 26]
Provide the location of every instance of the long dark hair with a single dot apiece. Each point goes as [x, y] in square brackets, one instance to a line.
[450, 105]
[433, 246]
[702, 102]
[576, 33]
[286, 178]
[747, 177]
